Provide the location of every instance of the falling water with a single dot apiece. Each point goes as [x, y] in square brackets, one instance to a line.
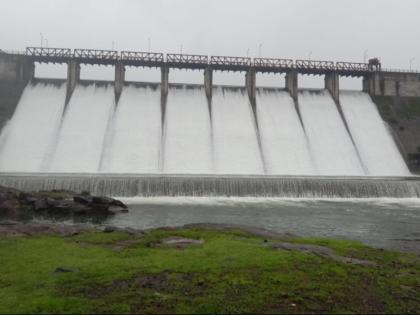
[235, 140]
[188, 148]
[283, 139]
[82, 133]
[211, 148]
[377, 149]
[330, 143]
[26, 138]
[135, 135]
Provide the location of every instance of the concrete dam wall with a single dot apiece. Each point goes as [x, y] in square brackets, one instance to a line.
[132, 138]
[191, 134]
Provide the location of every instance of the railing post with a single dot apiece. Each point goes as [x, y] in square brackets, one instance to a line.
[73, 77]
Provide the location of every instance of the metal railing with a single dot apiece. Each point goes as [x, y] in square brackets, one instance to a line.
[48, 52]
[187, 59]
[141, 56]
[96, 54]
[400, 70]
[273, 63]
[352, 66]
[314, 64]
[230, 61]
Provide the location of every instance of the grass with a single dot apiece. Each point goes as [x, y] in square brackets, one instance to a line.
[232, 272]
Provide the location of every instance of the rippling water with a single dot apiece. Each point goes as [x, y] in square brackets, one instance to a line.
[385, 222]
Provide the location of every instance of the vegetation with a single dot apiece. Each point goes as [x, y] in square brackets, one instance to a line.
[232, 271]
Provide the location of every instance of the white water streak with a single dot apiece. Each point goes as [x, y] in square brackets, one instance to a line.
[283, 139]
[235, 141]
[30, 131]
[83, 130]
[135, 139]
[188, 148]
[377, 149]
[331, 145]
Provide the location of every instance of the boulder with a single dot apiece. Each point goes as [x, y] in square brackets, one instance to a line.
[83, 199]
[41, 205]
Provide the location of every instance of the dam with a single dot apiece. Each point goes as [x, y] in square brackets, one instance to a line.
[169, 139]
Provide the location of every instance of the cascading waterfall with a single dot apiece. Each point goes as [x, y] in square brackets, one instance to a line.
[83, 129]
[332, 147]
[377, 149]
[283, 139]
[188, 148]
[202, 148]
[235, 140]
[26, 138]
[135, 136]
[218, 185]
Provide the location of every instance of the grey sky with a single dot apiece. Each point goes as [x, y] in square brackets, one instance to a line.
[330, 29]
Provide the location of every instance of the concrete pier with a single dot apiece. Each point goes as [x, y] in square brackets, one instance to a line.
[73, 77]
[292, 83]
[332, 84]
[16, 68]
[119, 80]
[208, 82]
[250, 82]
[164, 70]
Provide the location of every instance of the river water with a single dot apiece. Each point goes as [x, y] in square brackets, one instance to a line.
[386, 223]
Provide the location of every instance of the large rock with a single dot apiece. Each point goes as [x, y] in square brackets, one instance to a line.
[100, 203]
[14, 202]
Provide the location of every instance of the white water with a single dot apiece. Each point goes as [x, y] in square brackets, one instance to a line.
[26, 138]
[188, 148]
[135, 135]
[377, 148]
[82, 133]
[330, 143]
[235, 141]
[95, 136]
[283, 139]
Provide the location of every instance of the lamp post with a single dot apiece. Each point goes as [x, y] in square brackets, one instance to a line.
[365, 55]
[259, 50]
[310, 55]
[247, 53]
[149, 44]
[411, 62]
[42, 39]
[181, 49]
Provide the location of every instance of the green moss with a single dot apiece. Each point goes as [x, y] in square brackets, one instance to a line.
[232, 272]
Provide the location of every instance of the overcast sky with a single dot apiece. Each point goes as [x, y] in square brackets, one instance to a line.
[320, 29]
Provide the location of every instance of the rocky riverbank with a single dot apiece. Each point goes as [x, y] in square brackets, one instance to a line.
[17, 205]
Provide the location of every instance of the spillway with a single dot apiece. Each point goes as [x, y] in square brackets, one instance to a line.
[82, 134]
[200, 147]
[284, 143]
[377, 148]
[187, 132]
[235, 140]
[26, 139]
[218, 185]
[135, 133]
[330, 143]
